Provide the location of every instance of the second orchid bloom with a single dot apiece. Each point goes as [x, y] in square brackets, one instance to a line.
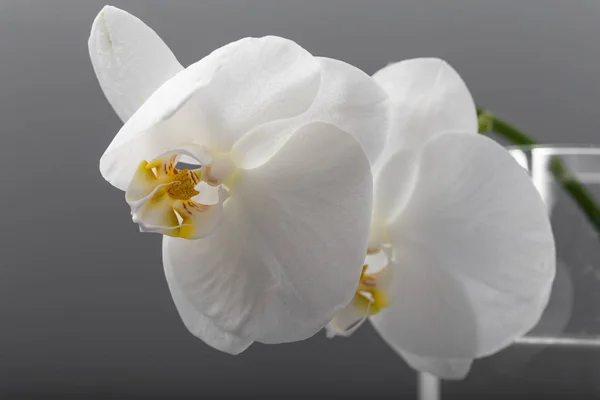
[256, 165]
[462, 253]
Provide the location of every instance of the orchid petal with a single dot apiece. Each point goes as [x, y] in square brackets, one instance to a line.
[453, 368]
[216, 101]
[289, 250]
[265, 79]
[394, 183]
[427, 97]
[198, 324]
[347, 98]
[474, 255]
[130, 60]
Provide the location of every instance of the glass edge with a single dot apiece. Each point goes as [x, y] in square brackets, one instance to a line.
[558, 149]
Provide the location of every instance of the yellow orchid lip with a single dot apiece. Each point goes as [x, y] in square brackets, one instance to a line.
[370, 298]
[161, 197]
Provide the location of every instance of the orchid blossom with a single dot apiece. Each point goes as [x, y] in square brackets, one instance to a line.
[254, 163]
[461, 252]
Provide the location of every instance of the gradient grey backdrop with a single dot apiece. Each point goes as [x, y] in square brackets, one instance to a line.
[84, 308]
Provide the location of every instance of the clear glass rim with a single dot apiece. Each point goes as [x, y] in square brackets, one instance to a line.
[558, 149]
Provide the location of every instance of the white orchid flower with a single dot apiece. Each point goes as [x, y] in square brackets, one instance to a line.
[279, 199]
[463, 253]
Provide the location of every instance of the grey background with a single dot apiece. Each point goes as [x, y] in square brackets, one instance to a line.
[84, 308]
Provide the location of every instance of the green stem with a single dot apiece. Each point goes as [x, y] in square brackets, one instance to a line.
[488, 122]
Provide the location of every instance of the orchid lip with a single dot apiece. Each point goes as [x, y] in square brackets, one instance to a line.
[164, 199]
[370, 298]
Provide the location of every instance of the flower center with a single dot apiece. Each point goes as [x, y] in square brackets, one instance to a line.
[183, 185]
[166, 200]
[371, 295]
[220, 171]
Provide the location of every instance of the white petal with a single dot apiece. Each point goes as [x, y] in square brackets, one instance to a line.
[347, 98]
[427, 97]
[473, 250]
[221, 275]
[288, 253]
[452, 368]
[197, 323]
[129, 58]
[394, 183]
[265, 79]
[351, 100]
[162, 124]
[215, 101]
